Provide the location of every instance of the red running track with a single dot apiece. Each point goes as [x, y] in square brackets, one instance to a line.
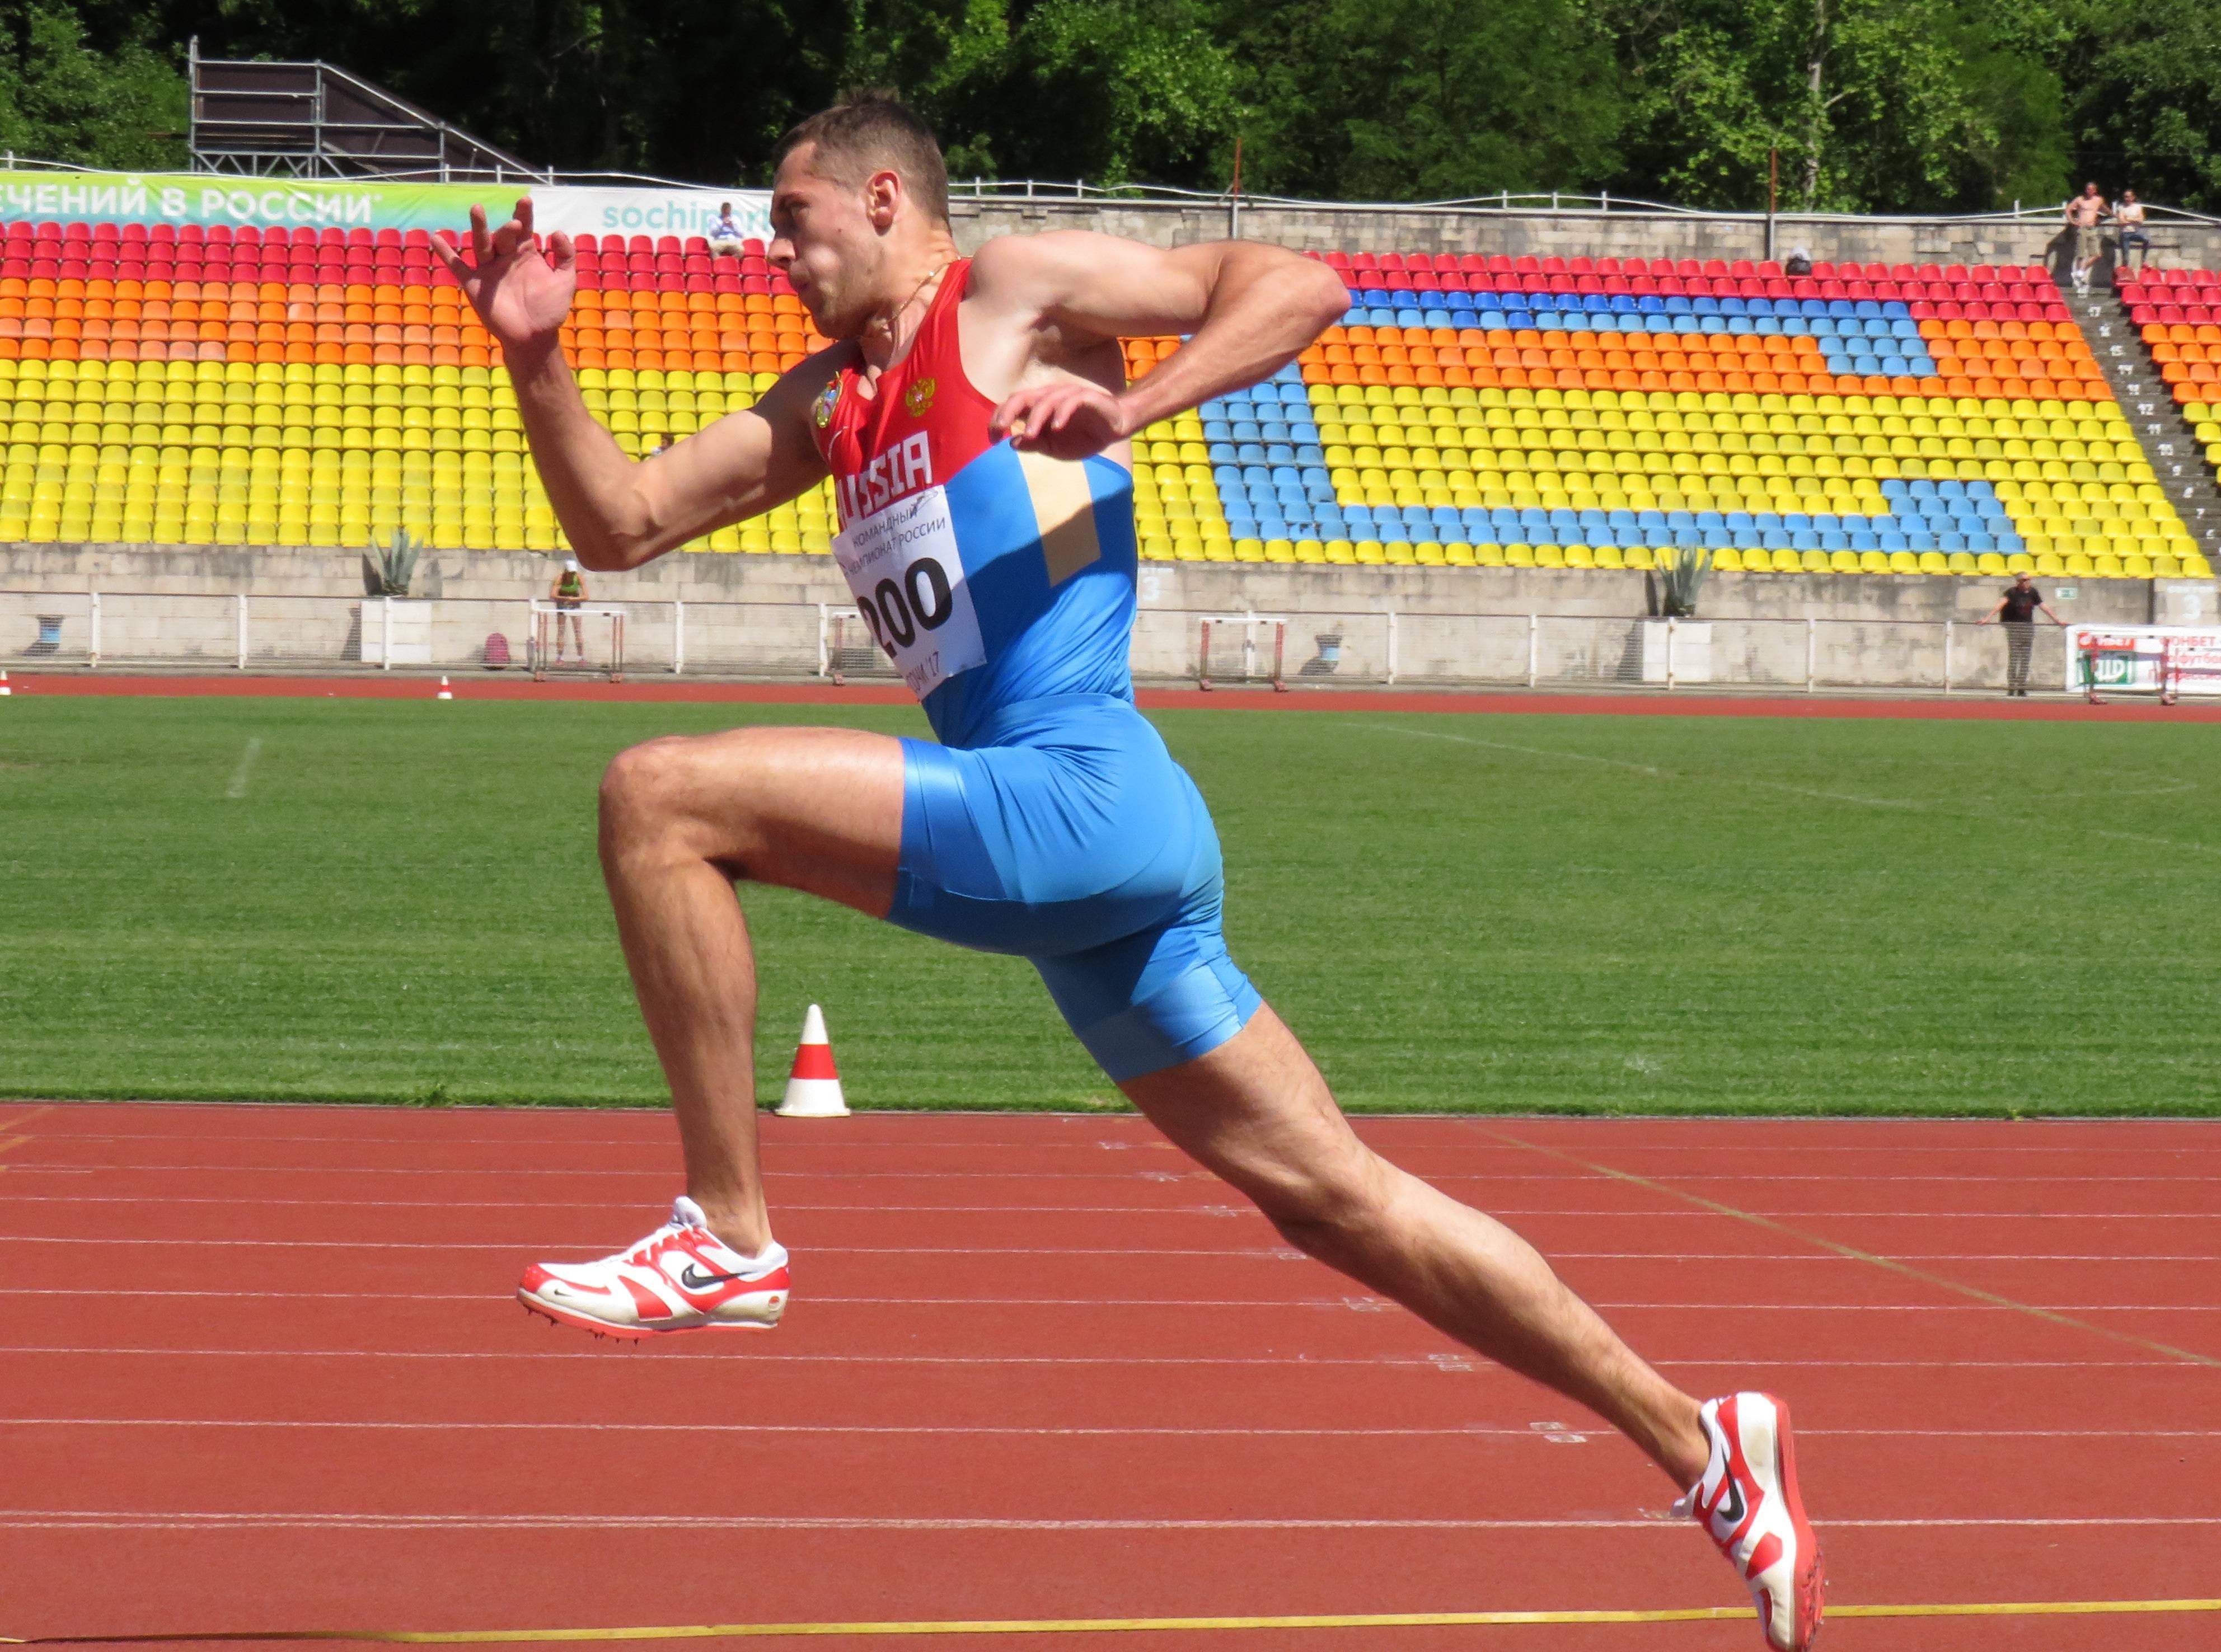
[476, 686]
[262, 1372]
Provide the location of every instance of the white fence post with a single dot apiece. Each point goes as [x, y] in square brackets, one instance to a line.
[824, 663]
[385, 634]
[242, 630]
[1811, 653]
[1672, 630]
[1391, 645]
[1947, 656]
[92, 627]
[678, 636]
[1534, 646]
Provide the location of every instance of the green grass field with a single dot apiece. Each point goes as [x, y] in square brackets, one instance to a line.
[1519, 913]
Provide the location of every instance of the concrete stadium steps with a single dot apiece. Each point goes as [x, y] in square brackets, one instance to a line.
[2169, 444]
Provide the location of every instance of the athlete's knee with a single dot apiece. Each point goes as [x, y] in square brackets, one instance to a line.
[1318, 1206]
[651, 796]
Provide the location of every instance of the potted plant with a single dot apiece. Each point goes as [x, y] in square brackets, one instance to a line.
[398, 631]
[1676, 647]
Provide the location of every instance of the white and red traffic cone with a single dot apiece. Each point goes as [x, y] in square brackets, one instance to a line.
[813, 1088]
[4, 689]
[445, 693]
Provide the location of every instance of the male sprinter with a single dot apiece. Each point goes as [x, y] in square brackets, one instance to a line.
[973, 414]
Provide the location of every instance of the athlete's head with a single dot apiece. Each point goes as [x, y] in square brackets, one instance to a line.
[858, 206]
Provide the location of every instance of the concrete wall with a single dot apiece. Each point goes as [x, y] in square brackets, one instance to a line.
[1570, 233]
[1222, 588]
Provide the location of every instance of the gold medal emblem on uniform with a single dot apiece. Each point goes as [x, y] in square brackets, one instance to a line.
[828, 399]
[919, 396]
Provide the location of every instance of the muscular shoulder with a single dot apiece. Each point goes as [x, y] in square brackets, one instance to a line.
[1020, 266]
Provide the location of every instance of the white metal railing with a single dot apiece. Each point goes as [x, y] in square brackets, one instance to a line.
[106, 629]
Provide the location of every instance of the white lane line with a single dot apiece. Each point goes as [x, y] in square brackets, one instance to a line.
[851, 1142]
[1446, 1362]
[1334, 1305]
[132, 1520]
[1220, 1213]
[239, 776]
[1654, 772]
[1449, 1431]
[1255, 1253]
[1912, 806]
[664, 1172]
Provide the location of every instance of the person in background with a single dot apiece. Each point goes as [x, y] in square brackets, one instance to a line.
[568, 593]
[725, 234]
[2084, 213]
[1800, 262]
[2129, 213]
[2017, 610]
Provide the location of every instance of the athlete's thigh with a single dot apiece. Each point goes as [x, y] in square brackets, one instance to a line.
[816, 810]
[1257, 1110]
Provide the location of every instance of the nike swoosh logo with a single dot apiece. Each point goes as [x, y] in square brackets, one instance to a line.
[695, 1280]
[1732, 1497]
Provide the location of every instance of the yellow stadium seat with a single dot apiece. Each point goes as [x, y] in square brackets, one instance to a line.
[1728, 559]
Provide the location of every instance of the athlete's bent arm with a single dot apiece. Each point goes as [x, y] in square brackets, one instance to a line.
[617, 512]
[1250, 308]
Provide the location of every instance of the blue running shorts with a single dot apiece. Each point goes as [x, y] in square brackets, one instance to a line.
[1069, 837]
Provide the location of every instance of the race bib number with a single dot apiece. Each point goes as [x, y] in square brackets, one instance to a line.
[907, 575]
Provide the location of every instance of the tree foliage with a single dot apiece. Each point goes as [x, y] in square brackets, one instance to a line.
[1920, 105]
[114, 98]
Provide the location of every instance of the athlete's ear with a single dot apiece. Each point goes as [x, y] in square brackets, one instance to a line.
[883, 193]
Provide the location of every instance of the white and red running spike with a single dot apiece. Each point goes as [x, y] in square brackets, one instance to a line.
[681, 1277]
[813, 1086]
[1747, 1500]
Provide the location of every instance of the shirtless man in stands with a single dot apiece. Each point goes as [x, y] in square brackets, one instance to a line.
[973, 414]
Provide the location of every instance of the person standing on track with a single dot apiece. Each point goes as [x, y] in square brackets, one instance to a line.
[2017, 609]
[973, 414]
[568, 593]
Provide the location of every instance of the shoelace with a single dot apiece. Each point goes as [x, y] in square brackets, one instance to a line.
[640, 1253]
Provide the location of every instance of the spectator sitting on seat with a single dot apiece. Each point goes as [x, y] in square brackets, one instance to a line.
[2130, 214]
[725, 234]
[2083, 211]
[1800, 262]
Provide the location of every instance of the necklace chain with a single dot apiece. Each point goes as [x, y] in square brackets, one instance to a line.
[894, 315]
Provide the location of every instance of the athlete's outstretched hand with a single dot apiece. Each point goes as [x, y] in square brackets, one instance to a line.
[520, 294]
[1065, 421]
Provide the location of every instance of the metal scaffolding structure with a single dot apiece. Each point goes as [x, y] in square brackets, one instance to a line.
[311, 119]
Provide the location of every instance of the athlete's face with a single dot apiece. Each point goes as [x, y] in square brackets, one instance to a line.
[830, 238]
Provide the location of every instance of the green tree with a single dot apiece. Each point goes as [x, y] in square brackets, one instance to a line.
[2145, 83]
[1908, 105]
[63, 97]
[1422, 99]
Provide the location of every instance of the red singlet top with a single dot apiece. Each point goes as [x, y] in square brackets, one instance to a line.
[920, 423]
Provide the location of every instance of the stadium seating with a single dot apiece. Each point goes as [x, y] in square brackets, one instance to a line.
[1592, 413]
[189, 387]
[182, 387]
[2177, 314]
